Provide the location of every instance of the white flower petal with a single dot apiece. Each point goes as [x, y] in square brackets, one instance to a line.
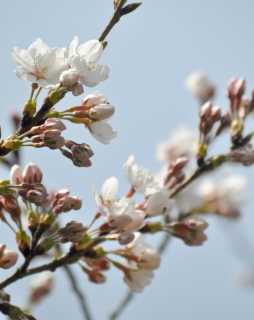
[96, 75]
[102, 132]
[91, 51]
[22, 59]
[25, 76]
[109, 189]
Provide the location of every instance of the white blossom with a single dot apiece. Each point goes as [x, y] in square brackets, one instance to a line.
[137, 177]
[137, 280]
[39, 64]
[84, 59]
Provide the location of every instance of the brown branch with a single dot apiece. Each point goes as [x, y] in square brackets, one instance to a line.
[70, 257]
[113, 20]
[207, 166]
[77, 291]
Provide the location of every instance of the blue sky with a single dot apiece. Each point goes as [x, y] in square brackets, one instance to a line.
[150, 54]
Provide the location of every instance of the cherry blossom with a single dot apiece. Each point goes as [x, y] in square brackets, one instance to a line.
[138, 178]
[84, 59]
[39, 64]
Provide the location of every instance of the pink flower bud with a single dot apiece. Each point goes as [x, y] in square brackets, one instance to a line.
[102, 112]
[126, 237]
[77, 89]
[69, 77]
[236, 88]
[205, 111]
[63, 205]
[76, 237]
[96, 277]
[196, 239]
[53, 123]
[94, 99]
[32, 174]
[216, 113]
[120, 222]
[16, 175]
[197, 224]
[51, 135]
[9, 259]
[76, 203]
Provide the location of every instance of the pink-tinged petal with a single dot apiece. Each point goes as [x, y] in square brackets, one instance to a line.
[79, 64]
[91, 51]
[73, 47]
[102, 132]
[109, 189]
[96, 75]
[22, 59]
[138, 217]
[16, 175]
[25, 76]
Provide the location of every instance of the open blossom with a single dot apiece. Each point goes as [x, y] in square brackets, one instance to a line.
[39, 64]
[244, 155]
[137, 280]
[137, 177]
[107, 203]
[182, 143]
[84, 59]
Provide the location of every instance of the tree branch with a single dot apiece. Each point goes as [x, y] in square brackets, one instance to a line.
[113, 20]
[77, 291]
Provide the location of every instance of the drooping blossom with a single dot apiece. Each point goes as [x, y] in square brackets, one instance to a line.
[39, 64]
[40, 286]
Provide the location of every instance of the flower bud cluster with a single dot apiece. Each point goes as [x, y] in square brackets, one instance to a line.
[80, 153]
[72, 232]
[34, 193]
[63, 203]
[94, 112]
[191, 232]
[175, 170]
[8, 258]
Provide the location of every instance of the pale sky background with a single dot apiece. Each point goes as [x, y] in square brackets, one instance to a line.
[150, 54]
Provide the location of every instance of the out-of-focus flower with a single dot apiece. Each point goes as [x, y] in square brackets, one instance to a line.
[200, 86]
[182, 143]
[39, 64]
[137, 280]
[223, 197]
[244, 155]
[40, 286]
[138, 178]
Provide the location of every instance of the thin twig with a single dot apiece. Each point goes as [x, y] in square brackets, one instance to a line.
[113, 20]
[79, 294]
[127, 298]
